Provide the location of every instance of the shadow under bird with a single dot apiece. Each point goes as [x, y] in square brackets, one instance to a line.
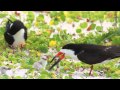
[16, 33]
[88, 53]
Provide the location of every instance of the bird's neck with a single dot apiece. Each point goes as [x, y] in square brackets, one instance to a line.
[20, 33]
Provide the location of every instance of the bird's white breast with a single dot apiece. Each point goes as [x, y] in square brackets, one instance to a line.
[19, 38]
[69, 53]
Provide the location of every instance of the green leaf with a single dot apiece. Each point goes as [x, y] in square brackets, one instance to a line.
[3, 14]
[18, 77]
[4, 77]
[78, 30]
[56, 21]
[44, 72]
[85, 14]
[83, 25]
[93, 26]
[12, 17]
[116, 40]
[43, 48]
[99, 28]
[62, 17]
[66, 77]
[53, 13]
[30, 16]
[30, 61]
[28, 25]
[40, 18]
[56, 37]
[43, 76]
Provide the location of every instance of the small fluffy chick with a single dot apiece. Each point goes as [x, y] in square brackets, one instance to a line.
[41, 64]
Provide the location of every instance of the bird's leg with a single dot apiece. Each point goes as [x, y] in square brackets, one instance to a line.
[13, 49]
[83, 69]
[22, 45]
[91, 68]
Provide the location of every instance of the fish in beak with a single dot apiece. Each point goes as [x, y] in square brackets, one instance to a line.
[59, 57]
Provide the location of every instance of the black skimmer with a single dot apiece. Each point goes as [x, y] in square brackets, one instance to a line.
[15, 34]
[87, 53]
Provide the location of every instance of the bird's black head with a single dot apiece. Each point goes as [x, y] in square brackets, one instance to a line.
[67, 50]
[68, 46]
[73, 47]
[18, 29]
[15, 26]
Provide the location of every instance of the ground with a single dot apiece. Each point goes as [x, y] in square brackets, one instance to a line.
[47, 33]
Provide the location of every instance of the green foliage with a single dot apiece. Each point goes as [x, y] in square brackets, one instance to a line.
[43, 48]
[30, 16]
[78, 30]
[57, 16]
[83, 25]
[3, 14]
[39, 43]
[93, 26]
[40, 18]
[4, 77]
[12, 17]
[116, 40]
[99, 28]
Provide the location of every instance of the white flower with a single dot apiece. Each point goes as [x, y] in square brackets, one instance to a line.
[40, 64]
[9, 73]
[37, 65]
[3, 70]
[20, 72]
[47, 19]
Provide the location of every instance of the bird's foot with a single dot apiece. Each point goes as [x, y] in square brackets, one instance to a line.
[13, 48]
[91, 75]
[82, 69]
[22, 45]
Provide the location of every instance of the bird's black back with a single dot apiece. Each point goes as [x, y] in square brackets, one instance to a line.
[16, 26]
[8, 25]
[92, 54]
[12, 28]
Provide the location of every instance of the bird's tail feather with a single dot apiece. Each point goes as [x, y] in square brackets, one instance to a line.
[10, 20]
[8, 25]
[117, 54]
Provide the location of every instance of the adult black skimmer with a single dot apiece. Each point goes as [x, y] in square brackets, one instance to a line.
[16, 33]
[87, 53]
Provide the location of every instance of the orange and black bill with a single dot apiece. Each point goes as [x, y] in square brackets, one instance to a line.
[60, 56]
